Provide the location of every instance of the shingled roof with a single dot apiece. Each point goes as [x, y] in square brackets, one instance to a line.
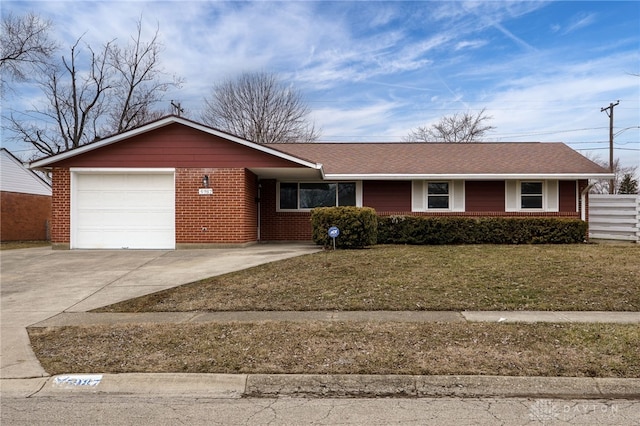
[463, 159]
[486, 160]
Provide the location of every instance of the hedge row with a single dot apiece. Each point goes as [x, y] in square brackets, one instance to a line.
[361, 227]
[422, 230]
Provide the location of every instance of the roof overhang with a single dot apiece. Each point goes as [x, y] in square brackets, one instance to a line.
[490, 176]
[47, 162]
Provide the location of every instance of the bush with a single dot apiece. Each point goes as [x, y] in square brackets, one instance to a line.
[420, 230]
[358, 226]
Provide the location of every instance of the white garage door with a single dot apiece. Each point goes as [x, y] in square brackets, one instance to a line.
[123, 210]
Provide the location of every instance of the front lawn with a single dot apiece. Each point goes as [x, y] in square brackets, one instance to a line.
[572, 277]
[584, 277]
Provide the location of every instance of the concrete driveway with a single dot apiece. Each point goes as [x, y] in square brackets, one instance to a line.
[39, 283]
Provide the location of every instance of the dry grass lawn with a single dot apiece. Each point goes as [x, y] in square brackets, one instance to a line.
[560, 277]
[578, 350]
[575, 277]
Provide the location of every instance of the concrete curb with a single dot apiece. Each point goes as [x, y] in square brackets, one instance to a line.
[320, 386]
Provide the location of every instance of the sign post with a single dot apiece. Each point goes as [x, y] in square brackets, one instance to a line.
[333, 233]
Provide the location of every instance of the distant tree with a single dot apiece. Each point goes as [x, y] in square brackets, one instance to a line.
[260, 108]
[91, 93]
[464, 127]
[24, 45]
[628, 185]
[601, 186]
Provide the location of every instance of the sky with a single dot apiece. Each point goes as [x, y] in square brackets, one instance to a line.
[372, 71]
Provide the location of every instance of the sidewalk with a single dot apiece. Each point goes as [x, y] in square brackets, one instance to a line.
[89, 318]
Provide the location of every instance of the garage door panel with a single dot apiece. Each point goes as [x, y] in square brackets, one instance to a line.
[124, 211]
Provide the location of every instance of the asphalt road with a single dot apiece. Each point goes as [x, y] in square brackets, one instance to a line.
[126, 410]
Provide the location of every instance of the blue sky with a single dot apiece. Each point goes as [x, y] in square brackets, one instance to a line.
[372, 71]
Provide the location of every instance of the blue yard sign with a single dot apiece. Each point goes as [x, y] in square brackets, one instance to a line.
[333, 233]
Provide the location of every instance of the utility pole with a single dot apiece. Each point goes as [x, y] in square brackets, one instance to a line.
[609, 111]
[177, 108]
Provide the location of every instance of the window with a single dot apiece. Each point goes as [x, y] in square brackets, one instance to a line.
[437, 195]
[308, 195]
[288, 195]
[531, 195]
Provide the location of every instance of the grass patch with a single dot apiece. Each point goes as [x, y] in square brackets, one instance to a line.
[585, 277]
[13, 245]
[574, 350]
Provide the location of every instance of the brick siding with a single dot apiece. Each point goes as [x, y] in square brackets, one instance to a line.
[281, 226]
[61, 206]
[24, 217]
[229, 215]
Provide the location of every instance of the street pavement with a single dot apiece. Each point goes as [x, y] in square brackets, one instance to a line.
[43, 287]
[108, 409]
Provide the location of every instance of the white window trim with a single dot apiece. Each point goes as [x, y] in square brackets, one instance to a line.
[419, 194]
[550, 196]
[278, 209]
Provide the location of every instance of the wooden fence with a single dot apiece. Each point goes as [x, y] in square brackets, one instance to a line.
[614, 217]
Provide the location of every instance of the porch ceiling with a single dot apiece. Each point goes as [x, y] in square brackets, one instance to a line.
[287, 173]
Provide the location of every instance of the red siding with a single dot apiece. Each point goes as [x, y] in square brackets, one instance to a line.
[489, 195]
[484, 196]
[387, 195]
[24, 217]
[568, 196]
[176, 146]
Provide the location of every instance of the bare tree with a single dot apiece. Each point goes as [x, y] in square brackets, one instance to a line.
[465, 127]
[601, 186]
[139, 82]
[25, 44]
[75, 103]
[260, 108]
[93, 93]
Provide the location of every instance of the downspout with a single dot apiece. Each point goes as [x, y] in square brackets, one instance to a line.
[583, 201]
[583, 207]
[258, 208]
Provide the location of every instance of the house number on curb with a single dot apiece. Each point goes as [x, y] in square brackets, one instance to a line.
[333, 233]
[91, 380]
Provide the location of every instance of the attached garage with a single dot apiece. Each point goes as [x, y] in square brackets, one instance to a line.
[115, 209]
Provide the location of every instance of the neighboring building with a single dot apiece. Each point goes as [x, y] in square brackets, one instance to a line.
[176, 183]
[25, 201]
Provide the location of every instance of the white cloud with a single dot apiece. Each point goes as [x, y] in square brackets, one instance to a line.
[579, 22]
[375, 70]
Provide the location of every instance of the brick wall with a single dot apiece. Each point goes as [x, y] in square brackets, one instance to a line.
[61, 206]
[229, 215]
[281, 226]
[24, 217]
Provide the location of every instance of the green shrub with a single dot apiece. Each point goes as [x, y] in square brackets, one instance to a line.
[421, 230]
[358, 226]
